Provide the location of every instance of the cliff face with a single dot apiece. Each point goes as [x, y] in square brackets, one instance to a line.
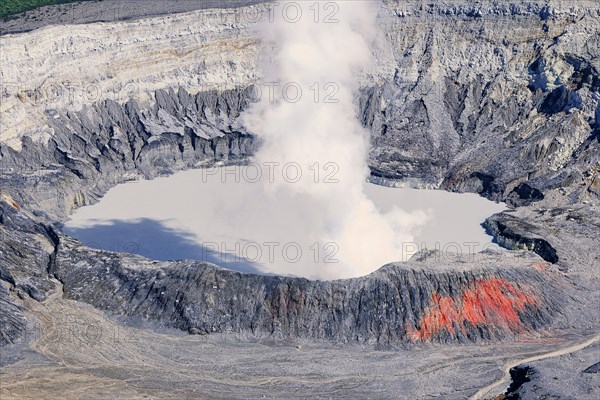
[499, 99]
[59, 70]
[399, 303]
[457, 89]
[108, 143]
[488, 97]
[492, 296]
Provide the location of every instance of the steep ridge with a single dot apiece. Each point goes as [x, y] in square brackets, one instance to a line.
[488, 97]
[108, 143]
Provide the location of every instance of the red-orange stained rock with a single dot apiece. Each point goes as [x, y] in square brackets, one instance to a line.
[490, 301]
[15, 205]
[10, 201]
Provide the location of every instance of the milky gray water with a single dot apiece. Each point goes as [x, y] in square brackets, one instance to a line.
[230, 220]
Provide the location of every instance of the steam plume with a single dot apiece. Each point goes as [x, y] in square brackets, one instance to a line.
[323, 135]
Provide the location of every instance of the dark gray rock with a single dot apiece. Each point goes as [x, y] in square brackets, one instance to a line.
[13, 320]
[515, 233]
[557, 378]
[519, 375]
[592, 369]
[523, 195]
[387, 307]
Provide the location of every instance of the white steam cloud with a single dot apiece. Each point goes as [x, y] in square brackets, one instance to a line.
[320, 55]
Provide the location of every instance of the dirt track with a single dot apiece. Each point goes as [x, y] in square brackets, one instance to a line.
[93, 357]
[489, 390]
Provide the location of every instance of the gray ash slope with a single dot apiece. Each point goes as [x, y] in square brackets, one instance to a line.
[475, 105]
[107, 11]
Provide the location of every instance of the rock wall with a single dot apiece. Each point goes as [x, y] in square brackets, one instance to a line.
[488, 97]
[493, 296]
[499, 99]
